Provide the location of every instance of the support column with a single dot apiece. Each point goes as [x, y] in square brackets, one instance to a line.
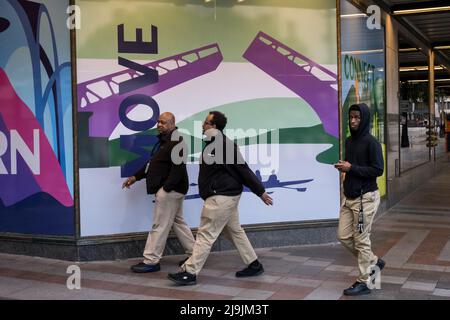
[392, 100]
[431, 96]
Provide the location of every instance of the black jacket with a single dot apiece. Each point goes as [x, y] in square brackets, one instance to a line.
[220, 177]
[162, 171]
[364, 153]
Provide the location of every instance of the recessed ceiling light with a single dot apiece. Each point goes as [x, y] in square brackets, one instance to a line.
[422, 10]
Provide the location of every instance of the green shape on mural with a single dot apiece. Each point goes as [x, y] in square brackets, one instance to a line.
[259, 114]
[313, 135]
[248, 123]
[119, 156]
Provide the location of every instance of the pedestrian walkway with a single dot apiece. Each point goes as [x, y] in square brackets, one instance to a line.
[413, 238]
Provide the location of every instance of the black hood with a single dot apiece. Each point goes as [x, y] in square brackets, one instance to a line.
[364, 125]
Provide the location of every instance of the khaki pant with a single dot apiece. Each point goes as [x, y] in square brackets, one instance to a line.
[219, 213]
[168, 214]
[359, 243]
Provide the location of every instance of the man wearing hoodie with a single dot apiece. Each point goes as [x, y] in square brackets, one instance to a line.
[223, 172]
[362, 165]
[168, 179]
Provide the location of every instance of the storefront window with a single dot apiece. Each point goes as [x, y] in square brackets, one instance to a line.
[363, 72]
[442, 110]
[414, 106]
[270, 66]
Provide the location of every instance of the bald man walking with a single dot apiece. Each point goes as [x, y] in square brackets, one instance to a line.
[168, 179]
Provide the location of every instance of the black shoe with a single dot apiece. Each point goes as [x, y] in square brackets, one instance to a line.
[182, 261]
[357, 289]
[183, 278]
[254, 269]
[143, 268]
[380, 265]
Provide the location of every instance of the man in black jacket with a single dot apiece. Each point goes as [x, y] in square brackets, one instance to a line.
[166, 176]
[223, 172]
[363, 164]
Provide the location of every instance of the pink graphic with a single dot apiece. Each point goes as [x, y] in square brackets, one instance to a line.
[15, 115]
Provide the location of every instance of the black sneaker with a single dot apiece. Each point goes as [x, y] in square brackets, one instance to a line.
[143, 268]
[254, 269]
[357, 289]
[380, 265]
[182, 261]
[183, 278]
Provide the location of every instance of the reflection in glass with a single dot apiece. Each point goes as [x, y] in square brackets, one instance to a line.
[363, 73]
[414, 110]
[442, 108]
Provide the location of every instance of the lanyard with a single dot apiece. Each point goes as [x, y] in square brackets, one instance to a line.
[361, 215]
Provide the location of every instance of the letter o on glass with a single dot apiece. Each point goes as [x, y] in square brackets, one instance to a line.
[134, 100]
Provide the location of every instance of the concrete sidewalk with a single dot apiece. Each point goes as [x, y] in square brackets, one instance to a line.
[413, 238]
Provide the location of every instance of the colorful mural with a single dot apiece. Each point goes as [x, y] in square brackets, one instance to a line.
[258, 63]
[36, 150]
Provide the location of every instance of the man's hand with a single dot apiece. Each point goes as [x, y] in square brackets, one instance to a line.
[267, 199]
[129, 182]
[343, 166]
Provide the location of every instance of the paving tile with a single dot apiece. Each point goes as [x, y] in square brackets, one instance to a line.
[325, 293]
[51, 291]
[213, 272]
[317, 263]
[229, 291]
[298, 294]
[393, 279]
[263, 278]
[35, 266]
[395, 272]
[300, 282]
[10, 257]
[142, 297]
[335, 285]
[402, 215]
[278, 265]
[298, 259]
[443, 284]
[141, 280]
[388, 287]
[276, 254]
[402, 251]
[441, 292]
[255, 294]
[374, 295]
[424, 267]
[306, 271]
[424, 276]
[339, 268]
[9, 286]
[354, 273]
[412, 295]
[106, 276]
[415, 285]
[327, 276]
